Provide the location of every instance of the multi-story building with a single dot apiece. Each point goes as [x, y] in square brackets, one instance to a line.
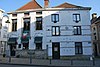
[95, 27]
[54, 32]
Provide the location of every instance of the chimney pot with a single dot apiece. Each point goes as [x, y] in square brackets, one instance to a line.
[94, 15]
[46, 3]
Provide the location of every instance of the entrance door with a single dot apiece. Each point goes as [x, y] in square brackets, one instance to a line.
[56, 50]
[12, 50]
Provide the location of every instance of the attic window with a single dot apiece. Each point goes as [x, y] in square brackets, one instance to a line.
[39, 12]
[26, 14]
[14, 15]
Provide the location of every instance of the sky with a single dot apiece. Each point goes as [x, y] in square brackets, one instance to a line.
[12, 5]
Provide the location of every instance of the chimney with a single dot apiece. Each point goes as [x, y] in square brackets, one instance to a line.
[94, 15]
[46, 3]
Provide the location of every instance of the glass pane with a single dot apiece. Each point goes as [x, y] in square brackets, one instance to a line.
[78, 17]
[53, 17]
[57, 18]
[79, 30]
[53, 31]
[57, 30]
[76, 49]
[74, 17]
[75, 30]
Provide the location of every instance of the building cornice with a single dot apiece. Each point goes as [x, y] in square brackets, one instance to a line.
[50, 9]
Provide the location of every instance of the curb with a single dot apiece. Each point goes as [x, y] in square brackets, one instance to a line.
[40, 65]
[31, 65]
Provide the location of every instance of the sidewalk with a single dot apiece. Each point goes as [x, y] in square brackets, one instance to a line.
[44, 62]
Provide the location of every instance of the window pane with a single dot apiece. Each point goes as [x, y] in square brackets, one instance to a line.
[78, 17]
[53, 31]
[78, 47]
[74, 17]
[57, 30]
[57, 18]
[53, 17]
[14, 24]
[26, 23]
[79, 30]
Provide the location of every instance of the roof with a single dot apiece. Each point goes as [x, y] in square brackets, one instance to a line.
[68, 5]
[31, 5]
[95, 20]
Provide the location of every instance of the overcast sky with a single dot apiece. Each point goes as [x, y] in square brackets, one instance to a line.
[12, 5]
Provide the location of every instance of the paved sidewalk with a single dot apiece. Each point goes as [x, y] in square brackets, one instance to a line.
[43, 62]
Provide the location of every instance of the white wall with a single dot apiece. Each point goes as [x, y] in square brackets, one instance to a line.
[67, 39]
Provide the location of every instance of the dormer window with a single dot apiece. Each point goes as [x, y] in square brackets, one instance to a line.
[76, 18]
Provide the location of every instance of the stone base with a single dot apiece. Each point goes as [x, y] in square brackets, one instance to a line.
[36, 54]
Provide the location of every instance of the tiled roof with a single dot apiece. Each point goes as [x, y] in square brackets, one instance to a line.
[31, 5]
[67, 5]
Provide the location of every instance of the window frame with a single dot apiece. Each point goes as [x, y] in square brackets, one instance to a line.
[78, 29]
[78, 47]
[76, 18]
[14, 25]
[55, 18]
[55, 29]
[28, 22]
[39, 24]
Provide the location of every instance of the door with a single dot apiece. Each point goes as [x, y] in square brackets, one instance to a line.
[56, 50]
[12, 50]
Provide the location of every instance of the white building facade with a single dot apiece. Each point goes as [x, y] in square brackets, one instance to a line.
[55, 32]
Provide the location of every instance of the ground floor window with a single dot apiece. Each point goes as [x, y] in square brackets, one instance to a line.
[25, 46]
[38, 46]
[78, 48]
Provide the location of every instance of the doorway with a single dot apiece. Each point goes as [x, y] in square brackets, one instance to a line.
[56, 50]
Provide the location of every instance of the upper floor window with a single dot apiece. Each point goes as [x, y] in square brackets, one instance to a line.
[55, 18]
[14, 15]
[14, 24]
[26, 14]
[39, 12]
[26, 24]
[77, 30]
[76, 18]
[38, 23]
[55, 30]
[78, 48]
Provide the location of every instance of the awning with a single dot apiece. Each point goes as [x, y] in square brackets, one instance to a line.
[38, 40]
[12, 41]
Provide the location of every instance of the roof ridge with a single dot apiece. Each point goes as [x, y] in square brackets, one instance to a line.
[30, 5]
[68, 5]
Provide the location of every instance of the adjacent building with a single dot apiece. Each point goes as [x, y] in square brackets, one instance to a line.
[3, 32]
[50, 32]
[95, 27]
